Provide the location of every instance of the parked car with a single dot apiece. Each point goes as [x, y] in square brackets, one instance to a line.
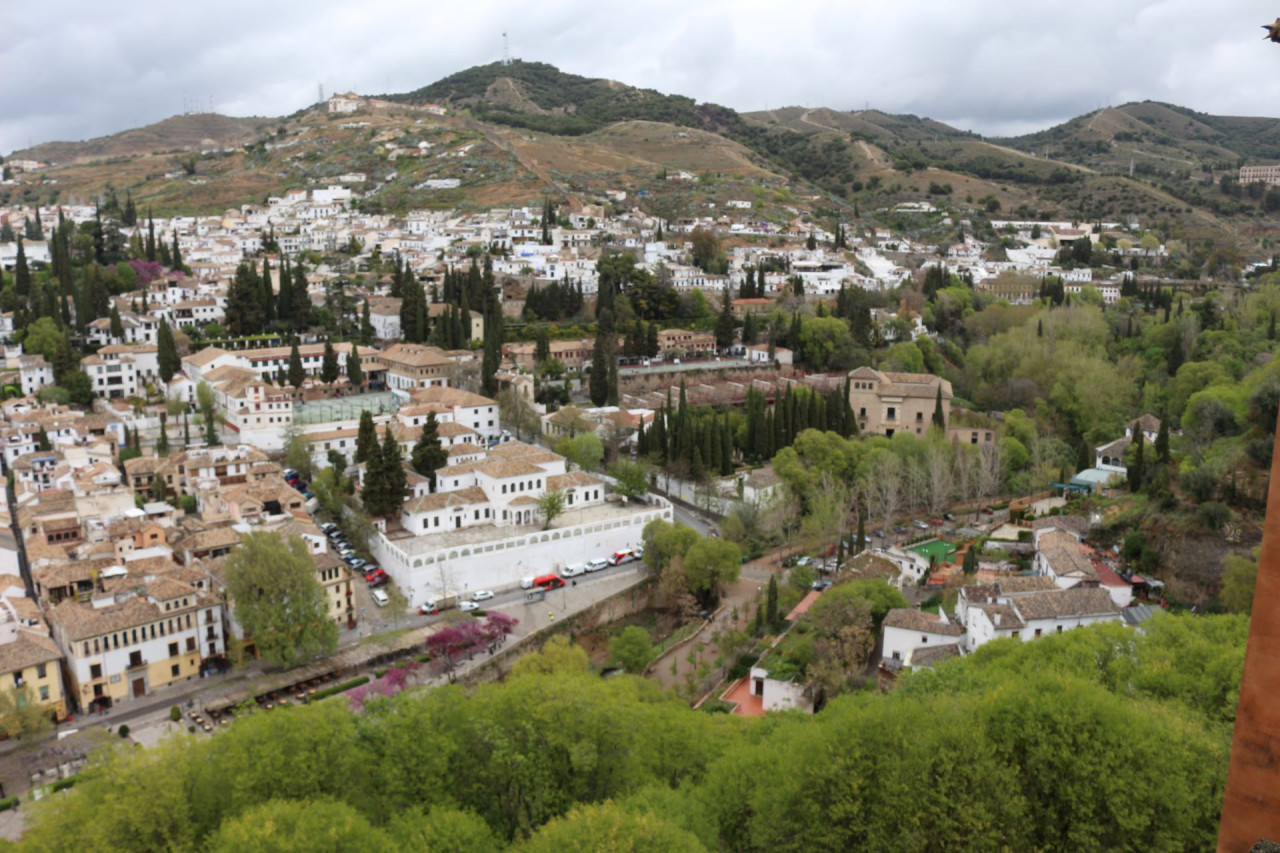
[380, 598]
[308, 494]
[803, 561]
[570, 571]
[596, 564]
[482, 595]
[986, 510]
[329, 528]
[429, 608]
[821, 584]
[617, 558]
[949, 516]
[899, 529]
[357, 564]
[468, 606]
[289, 472]
[920, 524]
[937, 522]
[526, 582]
[377, 577]
[878, 533]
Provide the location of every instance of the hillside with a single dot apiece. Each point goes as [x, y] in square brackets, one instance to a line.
[178, 133]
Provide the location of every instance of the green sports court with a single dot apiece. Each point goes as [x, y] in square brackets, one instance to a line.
[935, 548]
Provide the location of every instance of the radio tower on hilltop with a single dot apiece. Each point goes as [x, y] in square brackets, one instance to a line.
[506, 52]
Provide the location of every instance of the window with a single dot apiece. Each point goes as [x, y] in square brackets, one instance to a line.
[893, 412]
[862, 413]
[1059, 629]
[44, 694]
[1037, 632]
[924, 639]
[41, 670]
[919, 417]
[173, 650]
[95, 670]
[175, 670]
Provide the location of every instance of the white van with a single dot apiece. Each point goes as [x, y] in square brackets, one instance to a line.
[379, 597]
[572, 571]
[526, 582]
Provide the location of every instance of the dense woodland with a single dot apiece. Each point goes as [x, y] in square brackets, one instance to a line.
[1098, 739]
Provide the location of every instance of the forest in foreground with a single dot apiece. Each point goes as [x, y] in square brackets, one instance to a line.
[1102, 738]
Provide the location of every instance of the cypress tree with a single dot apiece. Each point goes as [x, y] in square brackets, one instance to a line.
[296, 372]
[393, 472]
[726, 447]
[1162, 440]
[366, 325]
[860, 544]
[939, 419]
[167, 358]
[428, 454]
[21, 272]
[162, 443]
[300, 312]
[1135, 471]
[771, 606]
[355, 372]
[267, 299]
[117, 327]
[151, 239]
[329, 372]
[186, 430]
[176, 253]
[366, 437]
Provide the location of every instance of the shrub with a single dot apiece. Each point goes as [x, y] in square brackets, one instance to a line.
[175, 713]
[1213, 514]
[124, 731]
[61, 785]
[340, 688]
[191, 730]
[742, 667]
[10, 803]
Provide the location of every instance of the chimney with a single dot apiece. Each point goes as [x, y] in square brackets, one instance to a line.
[997, 618]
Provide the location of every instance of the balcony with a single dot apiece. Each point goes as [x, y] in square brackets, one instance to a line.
[136, 663]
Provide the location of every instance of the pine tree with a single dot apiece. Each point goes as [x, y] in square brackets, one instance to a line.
[355, 372]
[329, 372]
[296, 372]
[366, 437]
[429, 455]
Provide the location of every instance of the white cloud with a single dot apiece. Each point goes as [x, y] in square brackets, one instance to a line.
[81, 69]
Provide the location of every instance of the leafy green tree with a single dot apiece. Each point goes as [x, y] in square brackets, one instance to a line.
[278, 600]
[551, 505]
[1239, 577]
[607, 826]
[385, 480]
[300, 826]
[710, 564]
[443, 830]
[43, 337]
[631, 478]
[21, 713]
[632, 649]
[584, 450]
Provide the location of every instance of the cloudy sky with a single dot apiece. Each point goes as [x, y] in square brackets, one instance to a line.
[75, 69]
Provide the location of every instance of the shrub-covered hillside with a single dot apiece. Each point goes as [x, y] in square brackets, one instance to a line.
[1099, 739]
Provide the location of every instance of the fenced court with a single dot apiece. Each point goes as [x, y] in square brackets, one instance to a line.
[344, 408]
[937, 549]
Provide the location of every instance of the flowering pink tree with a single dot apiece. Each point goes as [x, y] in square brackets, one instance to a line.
[146, 271]
[395, 680]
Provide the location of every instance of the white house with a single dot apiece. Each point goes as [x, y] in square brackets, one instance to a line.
[909, 630]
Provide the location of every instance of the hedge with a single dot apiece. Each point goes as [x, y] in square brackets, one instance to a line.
[339, 688]
[11, 803]
[61, 785]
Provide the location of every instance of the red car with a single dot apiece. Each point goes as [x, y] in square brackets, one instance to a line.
[377, 577]
[937, 522]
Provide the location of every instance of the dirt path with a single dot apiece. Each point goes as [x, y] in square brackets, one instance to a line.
[523, 159]
[695, 661]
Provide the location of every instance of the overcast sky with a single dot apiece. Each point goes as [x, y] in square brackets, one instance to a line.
[74, 69]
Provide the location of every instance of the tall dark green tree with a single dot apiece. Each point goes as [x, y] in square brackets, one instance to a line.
[939, 419]
[366, 325]
[175, 254]
[167, 358]
[366, 438]
[726, 324]
[329, 371]
[130, 215]
[296, 372]
[1162, 440]
[601, 354]
[355, 372]
[162, 441]
[21, 272]
[429, 455]
[1136, 471]
[117, 326]
[150, 247]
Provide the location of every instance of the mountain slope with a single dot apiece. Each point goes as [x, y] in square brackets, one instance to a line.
[178, 133]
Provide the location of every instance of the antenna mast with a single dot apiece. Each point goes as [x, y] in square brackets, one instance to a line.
[320, 92]
[506, 52]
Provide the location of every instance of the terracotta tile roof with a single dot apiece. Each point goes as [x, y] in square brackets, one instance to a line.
[29, 649]
[1065, 603]
[502, 470]
[571, 480]
[1002, 616]
[446, 396]
[922, 621]
[443, 500]
[929, 655]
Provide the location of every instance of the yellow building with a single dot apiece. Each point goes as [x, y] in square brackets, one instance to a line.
[30, 666]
